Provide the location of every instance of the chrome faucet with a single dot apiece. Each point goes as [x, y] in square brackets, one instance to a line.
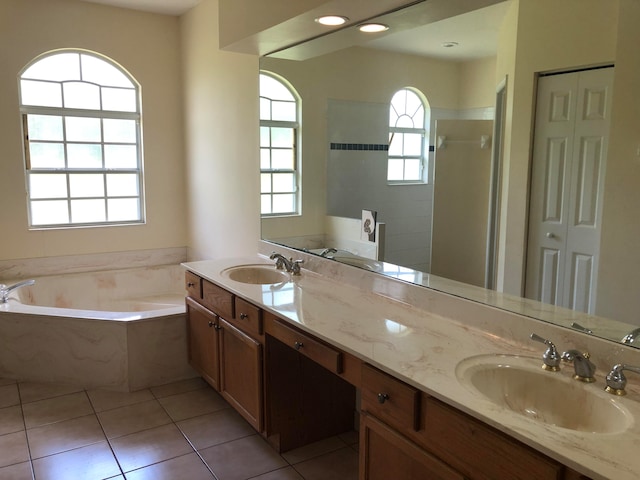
[631, 337]
[583, 367]
[292, 266]
[327, 251]
[550, 357]
[6, 290]
[616, 380]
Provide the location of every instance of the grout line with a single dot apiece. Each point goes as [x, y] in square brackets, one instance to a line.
[26, 437]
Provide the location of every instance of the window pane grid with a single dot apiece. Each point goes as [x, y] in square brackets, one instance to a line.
[82, 149]
[407, 136]
[279, 130]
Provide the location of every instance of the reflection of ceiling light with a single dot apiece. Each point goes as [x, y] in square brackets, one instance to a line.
[449, 44]
[373, 27]
[332, 20]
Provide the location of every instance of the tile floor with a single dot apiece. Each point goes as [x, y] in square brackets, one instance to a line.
[183, 430]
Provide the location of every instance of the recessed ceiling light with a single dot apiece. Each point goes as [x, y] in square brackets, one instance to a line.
[449, 44]
[332, 20]
[373, 27]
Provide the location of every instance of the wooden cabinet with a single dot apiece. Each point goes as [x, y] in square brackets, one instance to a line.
[434, 435]
[385, 454]
[241, 373]
[227, 351]
[203, 332]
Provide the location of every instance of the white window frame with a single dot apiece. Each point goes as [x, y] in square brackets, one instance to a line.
[66, 171]
[424, 144]
[295, 171]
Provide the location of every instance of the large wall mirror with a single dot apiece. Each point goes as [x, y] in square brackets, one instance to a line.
[458, 220]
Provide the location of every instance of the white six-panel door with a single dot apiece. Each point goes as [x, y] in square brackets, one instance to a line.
[569, 161]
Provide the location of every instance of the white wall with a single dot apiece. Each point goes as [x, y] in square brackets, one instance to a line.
[221, 131]
[147, 45]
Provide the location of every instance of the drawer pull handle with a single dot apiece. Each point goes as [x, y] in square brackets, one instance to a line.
[191, 284]
[298, 345]
[382, 397]
[244, 316]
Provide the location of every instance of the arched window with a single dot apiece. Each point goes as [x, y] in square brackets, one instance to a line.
[81, 125]
[279, 134]
[408, 137]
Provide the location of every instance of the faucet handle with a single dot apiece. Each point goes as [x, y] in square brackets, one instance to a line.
[550, 357]
[295, 267]
[616, 379]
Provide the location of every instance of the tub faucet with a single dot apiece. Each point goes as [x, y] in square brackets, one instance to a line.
[292, 266]
[6, 290]
[631, 337]
[327, 251]
[583, 367]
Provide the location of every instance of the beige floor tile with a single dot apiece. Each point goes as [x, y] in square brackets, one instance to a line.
[133, 418]
[350, 438]
[150, 446]
[19, 471]
[106, 400]
[283, 474]
[94, 462]
[11, 420]
[56, 409]
[215, 428]
[9, 395]
[178, 387]
[13, 448]
[193, 404]
[313, 450]
[339, 465]
[242, 459]
[6, 381]
[62, 436]
[32, 392]
[187, 466]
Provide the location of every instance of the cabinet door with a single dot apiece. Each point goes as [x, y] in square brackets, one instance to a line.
[204, 356]
[241, 373]
[385, 454]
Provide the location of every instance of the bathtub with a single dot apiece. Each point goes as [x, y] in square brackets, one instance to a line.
[117, 329]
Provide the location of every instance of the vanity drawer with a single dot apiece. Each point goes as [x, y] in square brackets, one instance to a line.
[217, 299]
[390, 399]
[322, 354]
[193, 285]
[488, 453]
[248, 317]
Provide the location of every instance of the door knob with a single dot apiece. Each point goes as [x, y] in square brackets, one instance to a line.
[550, 235]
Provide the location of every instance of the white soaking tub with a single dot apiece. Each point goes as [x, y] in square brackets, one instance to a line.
[119, 329]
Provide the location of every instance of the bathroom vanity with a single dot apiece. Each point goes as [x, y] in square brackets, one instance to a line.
[309, 357]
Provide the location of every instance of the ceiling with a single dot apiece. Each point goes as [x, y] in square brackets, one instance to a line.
[475, 32]
[166, 7]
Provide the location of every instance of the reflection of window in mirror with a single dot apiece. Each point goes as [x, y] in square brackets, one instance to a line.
[81, 125]
[279, 134]
[408, 115]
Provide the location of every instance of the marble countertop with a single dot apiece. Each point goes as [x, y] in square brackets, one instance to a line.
[423, 349]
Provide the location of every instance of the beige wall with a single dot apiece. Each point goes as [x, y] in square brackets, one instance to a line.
[221, 132]
[619, 268]
[147, 46]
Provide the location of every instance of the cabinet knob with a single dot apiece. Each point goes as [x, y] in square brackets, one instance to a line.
[191, 284]
[244, 316]
[217, 327]
[298, 345]
[211, 324]
[382, 397]
[550, 235]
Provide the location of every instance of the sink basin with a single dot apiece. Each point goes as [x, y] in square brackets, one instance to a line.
[522, 386]
[366, 263]
[261, 274]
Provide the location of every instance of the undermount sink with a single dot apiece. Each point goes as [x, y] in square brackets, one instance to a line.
[522, 386]
[260, 274]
